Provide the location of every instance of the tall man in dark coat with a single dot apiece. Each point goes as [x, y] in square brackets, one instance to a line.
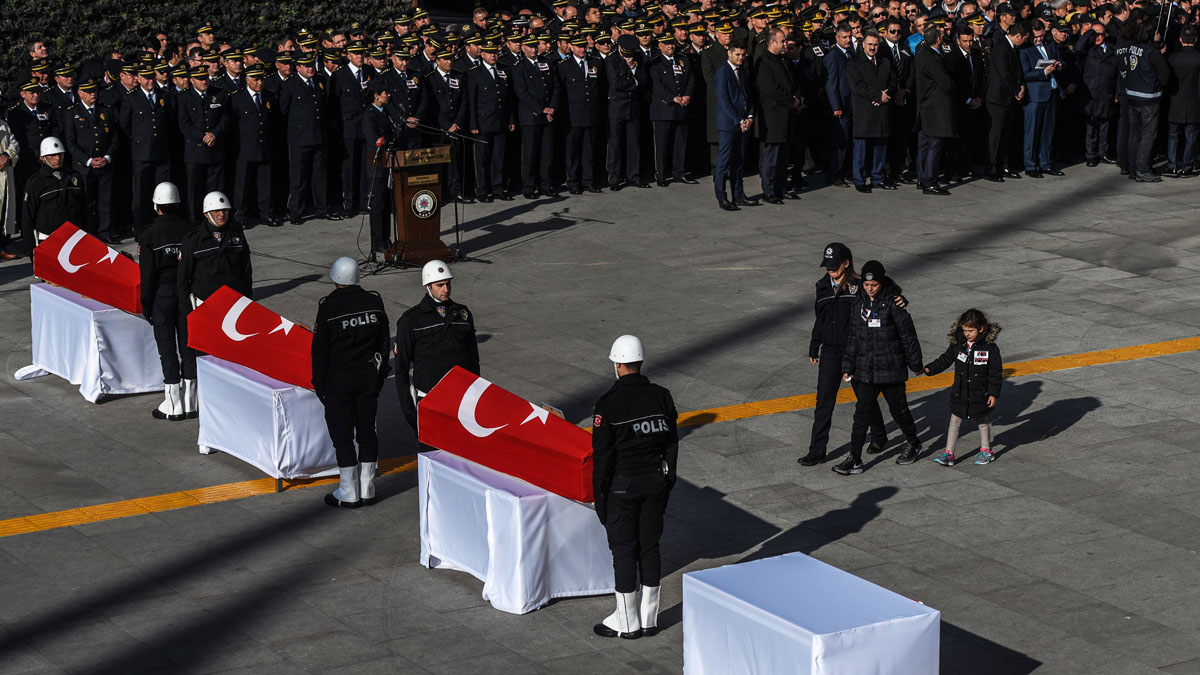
[1005, 92]
[304, 104]
[903, 109]
[91, 138]
[872, 86]
[1183, 111]
[935, 110]
[837, 92]
[254, 114]
[672, 82]
[489, 96]
[203, 121]
[965, 64]
[1097, 60]
[580, 76]
[778, 97]
[535, 85]
[628, 86]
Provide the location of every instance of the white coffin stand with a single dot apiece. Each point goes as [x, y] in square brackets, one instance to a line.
[275, 426]
[104, 350]
[525, 544]
[794, 614]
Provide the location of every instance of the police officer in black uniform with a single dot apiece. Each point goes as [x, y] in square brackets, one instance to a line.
[212, 255]
[30, 119]
[350, 364]
[535, 85]
[158, 256]
[380, 124]
[635, 450]
[836, 294]
[146, 121]
[53, 196]
[91, 136]
[255, 117]
[203, 122]
[432, 337]
[303, 103]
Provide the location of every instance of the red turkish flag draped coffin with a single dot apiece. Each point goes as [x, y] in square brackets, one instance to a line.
[76, 260]
[233, 327]
[472, 418]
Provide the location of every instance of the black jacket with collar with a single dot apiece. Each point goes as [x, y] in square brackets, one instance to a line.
[831, 329]
[633, 433]
[978, 369]
[883, 345]
[432, 338]
[207, 263]
[350, 341]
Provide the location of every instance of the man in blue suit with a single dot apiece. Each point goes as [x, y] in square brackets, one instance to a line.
[837, 90]
[1045, 89]
[735, 117]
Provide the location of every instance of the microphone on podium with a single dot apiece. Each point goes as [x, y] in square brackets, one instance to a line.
[379, 143]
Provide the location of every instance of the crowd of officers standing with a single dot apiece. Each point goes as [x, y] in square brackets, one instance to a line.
[589, 96]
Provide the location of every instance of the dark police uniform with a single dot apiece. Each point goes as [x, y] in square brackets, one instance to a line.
[210, 258]
[147, 128]
[348, 87]
[202, 113]
[433, 337]
[350, 364]
[536, 87]
[491, 113]
[52, 197]
[407, 100]
[303, 103]
[380, 123]
[635, 449]
[448, 96]
[670, 76]
[29, 127]
[255, 116]
[90, 133]
[158, 256]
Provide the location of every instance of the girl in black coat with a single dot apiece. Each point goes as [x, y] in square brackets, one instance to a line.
[883, 347]
[977, 370]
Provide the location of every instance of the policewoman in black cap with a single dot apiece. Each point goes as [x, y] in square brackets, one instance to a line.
[379, 126]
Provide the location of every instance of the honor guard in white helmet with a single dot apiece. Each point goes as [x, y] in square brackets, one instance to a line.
[213, 254]
[350, 364]
[635, 447]
[53, 196]
[432, 337]
[159, 246]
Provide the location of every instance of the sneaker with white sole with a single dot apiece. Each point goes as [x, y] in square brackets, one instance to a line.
[985, 457]
[849, 467]
[945, 459]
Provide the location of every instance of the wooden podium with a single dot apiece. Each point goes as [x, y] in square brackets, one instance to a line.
[417, 204]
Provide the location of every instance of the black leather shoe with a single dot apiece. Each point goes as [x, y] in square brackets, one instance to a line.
[792, 195]
[334, 216]
[839, 183]
[728, 206]
[887, 186]
[994, 177]
[466, 200]
[662, 183]
[1053, 172]
[604, 631]
[504, 197]
[334, 501]
[811, 460]
[485, 199]
[1034, 174]
[1011, 174]
[530, 195]
[595, 190]
[576, 191]
[1124, 171]
[865, 189]
[746, 201]
[1093, 163]
[615, 187]
[642, 184]
[1108, 160]
[687, 179]
[935, 190]
[294, 220]
[772, 200]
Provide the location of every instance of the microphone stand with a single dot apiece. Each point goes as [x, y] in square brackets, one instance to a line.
[456, 251]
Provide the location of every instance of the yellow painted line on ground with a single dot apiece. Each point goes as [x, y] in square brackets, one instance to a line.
[221, 493]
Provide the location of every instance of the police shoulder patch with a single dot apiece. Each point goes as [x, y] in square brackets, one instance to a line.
[597, 420]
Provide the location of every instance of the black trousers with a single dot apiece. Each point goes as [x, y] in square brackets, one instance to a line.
[636, 505]
[897, 402]
[624, 152]
[1095, 137]
[1143, 128]
[929, 159]
[489, 164]
[839, 145]
[580, 146]
[354, 178]
[170, 336]
[254, 176]
[829, 381]
[350, 415]
[774, 169]
[537, 153]
[98, 190]
[999, 136]
[146, 175]
[307, 181]
[670, 148]
[201, 180]
[380, 207]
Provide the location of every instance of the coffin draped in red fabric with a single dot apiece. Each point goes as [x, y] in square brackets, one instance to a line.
[233, 327]
[77, 261]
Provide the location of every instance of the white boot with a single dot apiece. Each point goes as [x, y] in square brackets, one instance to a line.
[649, 610]
[172, 406]
[366, 482]
[191, 402]
[624, 622]
[347, 493]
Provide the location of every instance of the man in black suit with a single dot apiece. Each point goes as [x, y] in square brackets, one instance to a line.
[490, 99]
[347, 85]
[1097, 60]
[964, 62]
[873, 89]
[1183, 112]
[255, 113]
[778, 97]
[903, 109]
[628, 81]
[935, 110]
[31, 119]
[146, 122]
[671, 85]
[837, 91]
[203, 122]
[447, 90]
[304, 104]
[91, 138]
[580, 77]
[535, 86]
[1004, 93]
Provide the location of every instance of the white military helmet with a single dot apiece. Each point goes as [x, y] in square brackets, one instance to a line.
[52, 146]
[165, 193]
[215, 201]
[627, 349]
[435, 270]
[344, 271]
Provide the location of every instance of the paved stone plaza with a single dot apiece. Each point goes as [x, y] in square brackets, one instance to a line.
[1075, 552]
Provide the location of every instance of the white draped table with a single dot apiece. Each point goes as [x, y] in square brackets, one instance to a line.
[525, 544]
[104, 350]
[795, 614]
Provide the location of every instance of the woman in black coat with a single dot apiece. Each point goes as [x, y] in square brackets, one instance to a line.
[977, 371]
[883, 347]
